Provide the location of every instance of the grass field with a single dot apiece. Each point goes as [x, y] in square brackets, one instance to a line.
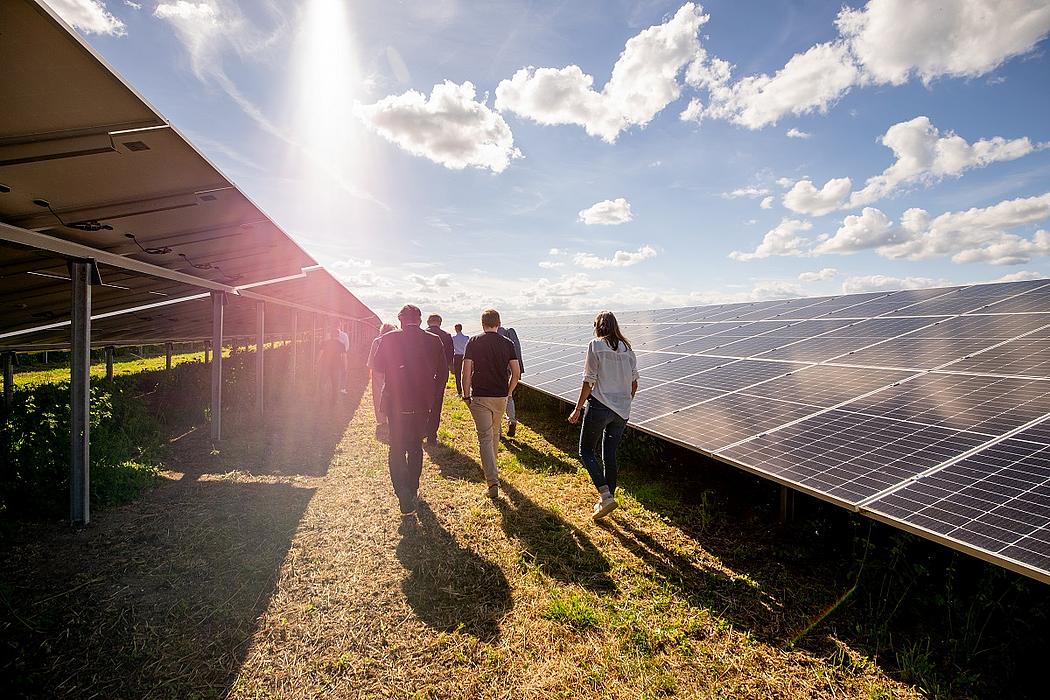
[275, 565]
[50, 374]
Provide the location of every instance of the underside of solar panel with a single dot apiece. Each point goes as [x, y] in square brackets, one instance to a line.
[925, 409]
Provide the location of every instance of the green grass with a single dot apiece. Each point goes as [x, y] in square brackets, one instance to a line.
[54, 373]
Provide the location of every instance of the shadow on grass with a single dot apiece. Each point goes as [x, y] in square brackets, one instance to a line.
[161, 598]
[297, 437]
[536, 461]
[558, 548]
[158, 600]
[450, 587]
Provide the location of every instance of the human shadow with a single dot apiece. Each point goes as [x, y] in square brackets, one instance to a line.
[559, 549]
[738, 600]
[453, 464]
[536, 461]
[450, 587]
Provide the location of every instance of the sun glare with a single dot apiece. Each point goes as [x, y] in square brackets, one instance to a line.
[325, 82]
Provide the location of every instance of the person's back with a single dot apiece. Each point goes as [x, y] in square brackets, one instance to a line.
[490, 373]
[411, 365]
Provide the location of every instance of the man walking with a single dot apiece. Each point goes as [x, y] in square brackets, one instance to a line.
[490, 374]
[413, 366]
[459, 346]
[434, 327]
[512, 416]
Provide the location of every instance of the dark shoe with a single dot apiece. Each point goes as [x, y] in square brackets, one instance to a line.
[512, 428]
[494, 491]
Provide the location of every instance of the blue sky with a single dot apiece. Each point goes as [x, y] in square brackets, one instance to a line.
[549, 156]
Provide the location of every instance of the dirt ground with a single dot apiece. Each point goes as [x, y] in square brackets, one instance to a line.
[275, 565]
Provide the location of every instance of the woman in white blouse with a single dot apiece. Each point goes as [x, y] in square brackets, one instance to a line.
[610, 380]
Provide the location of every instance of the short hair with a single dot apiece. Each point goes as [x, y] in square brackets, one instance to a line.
[459, 327]
[410, 312]
[433, 319]
[490, 318]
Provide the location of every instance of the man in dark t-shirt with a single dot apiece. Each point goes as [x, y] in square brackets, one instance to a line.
[434, 327]
[412, 362]
[490, 374]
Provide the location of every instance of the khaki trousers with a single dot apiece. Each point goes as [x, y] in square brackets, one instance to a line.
[488, 418]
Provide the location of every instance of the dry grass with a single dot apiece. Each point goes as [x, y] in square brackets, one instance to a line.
[277, 567]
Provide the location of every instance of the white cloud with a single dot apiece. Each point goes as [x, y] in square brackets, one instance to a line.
[884, 283]
[805, 198]
[869, 229]
[974, 235]
[885, 42]
[551, 264]
[923, 154]
[431, 283]
[556, 251]
[808, 82]
[451, 128]
[784, 239]
[89, 16]
[767, 202]
[620, 258]
[751, 192]
[767, 291]
[785, 182]
[895, 39]
[794, 133]
[608, 212]
[576, 284]
[1021, 276]
[828, 273]
[133, 5]
[644, 80]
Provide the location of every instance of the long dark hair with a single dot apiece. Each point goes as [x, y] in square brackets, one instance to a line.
[606, 328]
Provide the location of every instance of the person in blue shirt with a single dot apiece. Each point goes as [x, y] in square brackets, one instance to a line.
[459, 346]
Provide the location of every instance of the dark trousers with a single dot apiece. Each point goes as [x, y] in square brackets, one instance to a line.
[457, 369]
[600, 435]
[435, 411]
[406, 454]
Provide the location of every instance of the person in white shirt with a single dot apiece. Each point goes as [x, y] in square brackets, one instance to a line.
[459, 346]
[610, 381]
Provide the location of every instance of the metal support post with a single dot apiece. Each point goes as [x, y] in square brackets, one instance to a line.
[295, 342]
[207, 352]
[787, 505]
[313, 344]
[110, 352]
[168, 348]
[9, 380]
[80, 393]
[260, 342]
[218, 301]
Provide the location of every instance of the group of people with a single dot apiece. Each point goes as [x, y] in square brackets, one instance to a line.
[410, 369]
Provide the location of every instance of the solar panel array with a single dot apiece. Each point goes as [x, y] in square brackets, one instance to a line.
[926, 409]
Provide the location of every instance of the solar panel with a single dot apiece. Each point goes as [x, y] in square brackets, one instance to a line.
[926, 409]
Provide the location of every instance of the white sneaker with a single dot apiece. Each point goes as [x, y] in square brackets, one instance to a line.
[604, 506]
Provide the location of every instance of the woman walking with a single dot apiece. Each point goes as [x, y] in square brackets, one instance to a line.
[610, 381]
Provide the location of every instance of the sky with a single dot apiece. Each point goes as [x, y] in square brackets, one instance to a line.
[589, 154]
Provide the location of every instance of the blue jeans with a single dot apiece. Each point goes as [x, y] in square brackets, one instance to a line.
[600, 435]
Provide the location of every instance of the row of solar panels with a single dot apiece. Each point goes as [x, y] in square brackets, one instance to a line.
[939, 424]
[86, 161]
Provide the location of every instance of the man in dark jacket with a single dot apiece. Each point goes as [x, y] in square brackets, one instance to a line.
[413, 364]
[434, 327]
